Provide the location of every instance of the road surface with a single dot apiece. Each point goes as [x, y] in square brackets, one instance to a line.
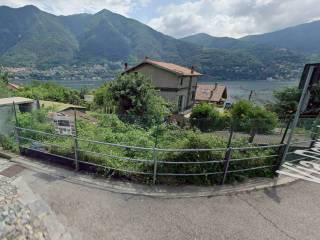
[288, 212]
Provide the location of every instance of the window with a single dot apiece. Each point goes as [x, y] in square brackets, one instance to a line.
[64, 123]
[180, 103]
[181, 81]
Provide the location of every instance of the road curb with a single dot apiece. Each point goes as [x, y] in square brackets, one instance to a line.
[159, 191]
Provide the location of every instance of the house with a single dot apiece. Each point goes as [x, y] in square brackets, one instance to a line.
[175, 83]
[211, 93]
[24, 104]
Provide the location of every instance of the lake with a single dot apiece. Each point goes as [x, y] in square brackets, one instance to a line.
[263, 89]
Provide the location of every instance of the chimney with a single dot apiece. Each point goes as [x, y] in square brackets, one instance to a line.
[146, 58]
[215, 86]
[192, 69]
[125, 66]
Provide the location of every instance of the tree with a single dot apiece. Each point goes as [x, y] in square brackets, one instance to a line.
[4, 77]
[286, 101]
[50, 92]
[4, 80]
[253, 119]
[103, 99]
[205, 117]
[134, 95]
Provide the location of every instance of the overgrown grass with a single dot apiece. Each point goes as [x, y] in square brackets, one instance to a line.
[110, 129]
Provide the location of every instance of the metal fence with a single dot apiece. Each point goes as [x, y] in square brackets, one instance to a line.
[159, 163]
[155, 165]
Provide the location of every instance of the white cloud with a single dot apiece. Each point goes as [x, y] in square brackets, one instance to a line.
[66, 7]
[233, 17]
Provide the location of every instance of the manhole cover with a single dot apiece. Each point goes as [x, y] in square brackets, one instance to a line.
[12, 171]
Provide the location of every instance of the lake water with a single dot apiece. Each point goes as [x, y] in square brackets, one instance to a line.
[263, 89]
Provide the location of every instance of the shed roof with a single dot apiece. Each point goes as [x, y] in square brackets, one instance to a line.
[211, 92]
[13, 86]
[16, 100]
[58, 106]
[171, 67]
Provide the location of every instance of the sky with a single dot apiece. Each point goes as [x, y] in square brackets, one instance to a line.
[180, 18]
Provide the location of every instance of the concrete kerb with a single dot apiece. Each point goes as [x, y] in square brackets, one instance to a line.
[159, 191]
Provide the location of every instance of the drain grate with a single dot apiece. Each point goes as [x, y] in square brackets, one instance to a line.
[12, 171]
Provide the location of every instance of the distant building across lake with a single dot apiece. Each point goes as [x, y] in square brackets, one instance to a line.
[176, 83]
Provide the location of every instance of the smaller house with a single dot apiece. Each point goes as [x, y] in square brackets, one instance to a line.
[63, 116]
[211, 93]
[24, 104]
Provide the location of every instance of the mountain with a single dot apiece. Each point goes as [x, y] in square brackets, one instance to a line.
[273, 60]
[209, 41]
[303, 38]
[31, 37]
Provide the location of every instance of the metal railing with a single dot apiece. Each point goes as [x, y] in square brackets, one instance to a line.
[77, 153]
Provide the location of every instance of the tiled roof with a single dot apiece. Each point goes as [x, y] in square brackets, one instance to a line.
[174, 68]
[210, 92]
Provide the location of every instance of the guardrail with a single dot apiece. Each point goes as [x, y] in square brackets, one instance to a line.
[153, 162]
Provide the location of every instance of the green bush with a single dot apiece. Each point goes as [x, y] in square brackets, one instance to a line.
[206, 118]
[111, 129]
[248, 117]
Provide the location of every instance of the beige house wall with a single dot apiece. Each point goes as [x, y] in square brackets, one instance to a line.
[170, 84]
[160, 78]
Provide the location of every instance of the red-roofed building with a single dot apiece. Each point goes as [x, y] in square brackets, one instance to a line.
[176, 83]
[211, 93]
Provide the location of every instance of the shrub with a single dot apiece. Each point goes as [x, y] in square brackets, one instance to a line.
[206, 118]
[135, 96]
[248, 117]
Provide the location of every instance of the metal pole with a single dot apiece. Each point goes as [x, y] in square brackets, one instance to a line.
[155, 157]
[297, 115]
[75, 141]
[227, 159]
[16, 125]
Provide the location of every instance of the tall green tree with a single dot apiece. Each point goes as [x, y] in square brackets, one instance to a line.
[134, 95]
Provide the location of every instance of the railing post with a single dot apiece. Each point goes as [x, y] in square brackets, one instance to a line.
[314, 136]
[278, 162]
[16, 125]
[227, 159]
[155, 165]
[75, 142]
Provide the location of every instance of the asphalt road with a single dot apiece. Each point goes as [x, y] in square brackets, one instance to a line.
[288, 212]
